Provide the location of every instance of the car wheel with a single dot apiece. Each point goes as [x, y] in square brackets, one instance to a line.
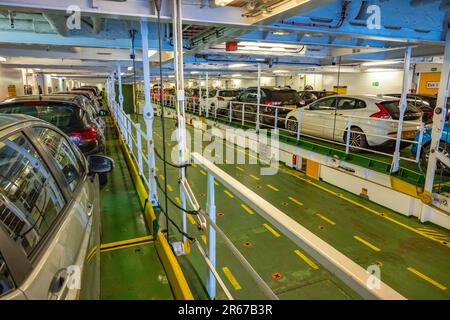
[425, 154]
[292, 126]
[357, 139]
[103, 178]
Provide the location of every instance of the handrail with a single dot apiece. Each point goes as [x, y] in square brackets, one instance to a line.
[347, 270]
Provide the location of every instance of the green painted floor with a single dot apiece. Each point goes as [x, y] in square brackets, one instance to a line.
[129, 272]
[414, 265]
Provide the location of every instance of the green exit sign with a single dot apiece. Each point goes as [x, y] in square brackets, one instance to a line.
[433, 69]
[375, 84]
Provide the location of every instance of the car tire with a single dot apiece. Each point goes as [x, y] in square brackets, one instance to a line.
[358, 139]
[292, 126]
[103, 178]
[425, 152]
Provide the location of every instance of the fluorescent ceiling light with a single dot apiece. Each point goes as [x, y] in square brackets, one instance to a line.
[222, 2]
[194, 72]
[237, 65]
[380, 70]
[380, 63]
[280, 71]
[236, 75]
[280, 33]
[170, 75]
[151, 53]
[2, 59]
[260, 59]
[130, 68]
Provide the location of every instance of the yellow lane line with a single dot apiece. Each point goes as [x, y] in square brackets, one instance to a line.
[228, 193]
[307, 260]
[326, 219]
[191, 220]
[272, 187]
[203, 172]
[426, 278]
[240, 169]
[371, 246]
[249, 211]
[255, 177]
[178, 200]
[231, 278]
[295, 201]
[126, 246]
[162, 177]
[204, 238]
[125, 242]
[216, 183]
[169, 187]
[272, 230]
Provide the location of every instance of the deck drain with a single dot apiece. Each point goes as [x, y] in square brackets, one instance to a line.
[276, 275]
[444, 242]
[248, 244]
[285, 204]
[220, 214]
[202, 194]
[321, 227]
[258, 187]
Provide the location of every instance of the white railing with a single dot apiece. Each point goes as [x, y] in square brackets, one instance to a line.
[378, 135]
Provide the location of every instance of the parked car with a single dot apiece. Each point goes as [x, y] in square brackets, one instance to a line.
[49, 213]
[68, 114]
[272, 98]
[328, 118]
[91, 105]
[94, 91]
[309, 96]
[426, 104]
[444, 145]
[218, 100]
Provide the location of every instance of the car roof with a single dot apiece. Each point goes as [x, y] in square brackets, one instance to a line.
[374, 97]
[44, 97]
[274, 88]
[7, 120]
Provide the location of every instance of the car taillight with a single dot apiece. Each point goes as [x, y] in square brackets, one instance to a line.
[220, 99]
[87, 135]
[273, 103]
[382, 114]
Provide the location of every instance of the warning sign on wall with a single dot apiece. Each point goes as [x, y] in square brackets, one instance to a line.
[12, 90]
[432, 85]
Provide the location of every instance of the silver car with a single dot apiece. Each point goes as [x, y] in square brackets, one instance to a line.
[49, 213]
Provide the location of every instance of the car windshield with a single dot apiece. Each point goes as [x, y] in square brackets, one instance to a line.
[393, 108]
[229, 93]
[59, 115]
[285, 96]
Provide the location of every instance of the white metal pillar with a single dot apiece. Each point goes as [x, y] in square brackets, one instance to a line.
[148, 115]
[403, 105]
[119, 84]
[207, 95]
[439, 117]
[183, 156]
[199, 94]
[211, 210]
[258, 98]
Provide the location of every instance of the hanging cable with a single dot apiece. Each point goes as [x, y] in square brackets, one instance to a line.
[191, 212]
[161, 86]
[170, 163]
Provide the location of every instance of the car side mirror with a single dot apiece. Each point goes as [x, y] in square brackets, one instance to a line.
[103, 113]
[100, 164]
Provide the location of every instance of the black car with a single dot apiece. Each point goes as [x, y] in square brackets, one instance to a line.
[426, 104]
[273, 98]
[309, 96]
[65, 112]
[92, 89]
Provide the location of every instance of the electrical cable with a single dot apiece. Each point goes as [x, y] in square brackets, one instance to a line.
[170, 163]
[161, 86]
[191, 212]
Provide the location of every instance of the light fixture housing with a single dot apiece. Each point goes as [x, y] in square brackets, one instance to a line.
[380, 63]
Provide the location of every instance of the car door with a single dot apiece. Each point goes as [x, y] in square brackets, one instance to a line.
[74, 236]
[318, 115]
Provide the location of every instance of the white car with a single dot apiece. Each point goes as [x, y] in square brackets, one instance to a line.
[371, 120]
[218, 99]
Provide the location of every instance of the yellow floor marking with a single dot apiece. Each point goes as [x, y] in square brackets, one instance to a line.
[216, 183]
[204, 238]
[307, 260]
[178, 200]
[125, 242]
[240, 169]
[272, 187]
[276, 234]
[249, 211]
[426, 278]
[255, 177]
[162, 177]
[194, 165]
[169, 187]
[295, 201]
[126, 246]
[326, 219]
[231, 278]
[371, 246]
[203, 172]
[191, 220]
[228, 193]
